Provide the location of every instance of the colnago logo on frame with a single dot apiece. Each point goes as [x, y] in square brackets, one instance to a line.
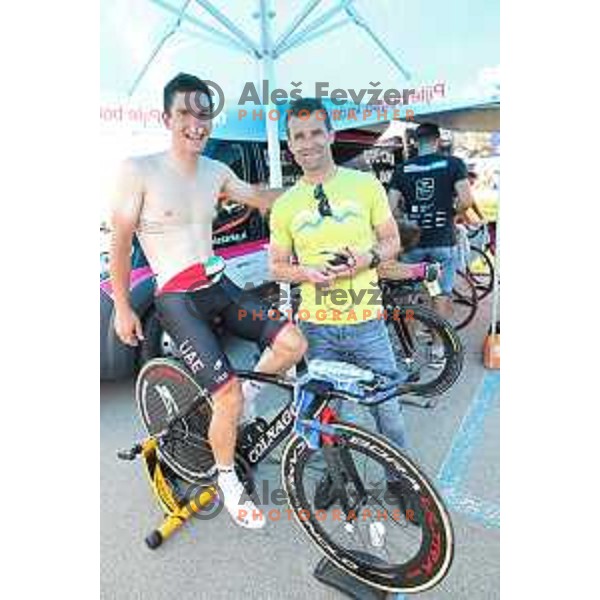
[263, 444]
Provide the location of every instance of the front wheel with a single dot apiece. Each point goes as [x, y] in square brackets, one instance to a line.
[481, 272]
[464, 301]
[428, 348]
[363, 529]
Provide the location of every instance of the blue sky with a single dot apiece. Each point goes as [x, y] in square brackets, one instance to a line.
[454, 41]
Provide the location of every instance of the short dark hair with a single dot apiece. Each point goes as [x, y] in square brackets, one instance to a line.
[307, 106]
[184, 83]
[427, 131]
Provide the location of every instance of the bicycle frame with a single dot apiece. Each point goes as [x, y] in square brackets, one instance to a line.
[283, 423]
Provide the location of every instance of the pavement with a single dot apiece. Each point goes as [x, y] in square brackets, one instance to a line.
[457, 443]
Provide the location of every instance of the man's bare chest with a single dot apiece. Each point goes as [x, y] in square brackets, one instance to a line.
[173, 201]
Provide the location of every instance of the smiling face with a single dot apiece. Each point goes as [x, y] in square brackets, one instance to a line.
[310, 141]
[189, 122]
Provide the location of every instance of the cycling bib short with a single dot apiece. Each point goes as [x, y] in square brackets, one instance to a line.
[189, 318]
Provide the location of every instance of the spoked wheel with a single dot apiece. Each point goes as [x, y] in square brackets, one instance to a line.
[481, 272]
[395, 541]
[428, 348]
[464, 301]
[177, 411]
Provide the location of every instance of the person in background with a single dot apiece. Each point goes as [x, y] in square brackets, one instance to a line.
[422, 191]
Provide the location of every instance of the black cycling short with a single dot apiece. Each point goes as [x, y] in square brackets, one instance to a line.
[189, 318]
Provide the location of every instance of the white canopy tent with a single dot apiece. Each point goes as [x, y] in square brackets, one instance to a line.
[265, 51]
[146, 42]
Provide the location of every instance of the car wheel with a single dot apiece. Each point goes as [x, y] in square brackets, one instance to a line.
[157, 342]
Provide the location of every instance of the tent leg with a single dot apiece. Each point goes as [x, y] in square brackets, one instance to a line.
[268, 73]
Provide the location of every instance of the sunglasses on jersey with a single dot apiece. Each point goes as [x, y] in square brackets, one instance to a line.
[323, 200]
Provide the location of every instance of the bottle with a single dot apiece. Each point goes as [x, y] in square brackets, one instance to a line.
[214, 267]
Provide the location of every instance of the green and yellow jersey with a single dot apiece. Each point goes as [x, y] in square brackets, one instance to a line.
[359, 204]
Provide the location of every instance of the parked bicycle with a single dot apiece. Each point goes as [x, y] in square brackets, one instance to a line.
[426, 345]
[480, 262]
[363, 532]
[420, 291]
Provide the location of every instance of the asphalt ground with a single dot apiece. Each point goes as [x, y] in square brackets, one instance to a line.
[456, 443]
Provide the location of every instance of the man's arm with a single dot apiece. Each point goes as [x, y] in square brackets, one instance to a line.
[125, 215]
[282, 269]
[237, 190]
[396, 200]
[387, 245]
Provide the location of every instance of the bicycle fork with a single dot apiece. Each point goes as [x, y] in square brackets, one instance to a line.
[342, 471]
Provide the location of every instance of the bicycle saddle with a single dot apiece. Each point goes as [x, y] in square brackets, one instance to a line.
[415, 275]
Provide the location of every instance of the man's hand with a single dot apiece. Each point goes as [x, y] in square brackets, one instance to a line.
[253, 195]
[128, 326]
[312, 275]
[353, 263]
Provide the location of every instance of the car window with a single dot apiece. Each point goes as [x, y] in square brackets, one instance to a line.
[230, 153]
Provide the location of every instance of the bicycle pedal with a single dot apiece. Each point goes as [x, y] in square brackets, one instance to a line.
[130, 454]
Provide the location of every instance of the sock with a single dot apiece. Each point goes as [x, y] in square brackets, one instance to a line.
[229, 482]
[225, 468]
[243, 512]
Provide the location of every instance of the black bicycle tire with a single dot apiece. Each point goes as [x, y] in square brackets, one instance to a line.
[453, 350]
[295, 455]
[165, 449]
[483, 290]
[472, 302]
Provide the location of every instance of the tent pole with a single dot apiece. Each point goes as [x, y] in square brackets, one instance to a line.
[230, 25]
[295, 24]
[321, 32]
[200, 25]
[268, 73]
[361, 22]
[496, 289]
[158, 47]
[274, 149]
[299, 37]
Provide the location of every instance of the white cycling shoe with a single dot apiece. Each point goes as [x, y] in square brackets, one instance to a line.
[245, 514]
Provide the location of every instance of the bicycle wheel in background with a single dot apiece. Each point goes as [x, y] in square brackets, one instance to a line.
[480, 270]
[404, 546]
[464, 301]
[427, 347]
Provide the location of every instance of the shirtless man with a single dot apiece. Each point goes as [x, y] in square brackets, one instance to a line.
[168, 200]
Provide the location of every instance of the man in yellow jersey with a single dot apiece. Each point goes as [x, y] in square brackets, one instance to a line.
[329, 232]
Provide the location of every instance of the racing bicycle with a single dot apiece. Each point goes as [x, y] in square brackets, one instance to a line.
[361, 530]
[425, 345]
[481, 259]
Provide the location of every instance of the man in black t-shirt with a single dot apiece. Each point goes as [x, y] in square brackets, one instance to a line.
[422, 191]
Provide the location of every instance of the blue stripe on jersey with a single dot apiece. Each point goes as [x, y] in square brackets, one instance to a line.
[440, 164]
